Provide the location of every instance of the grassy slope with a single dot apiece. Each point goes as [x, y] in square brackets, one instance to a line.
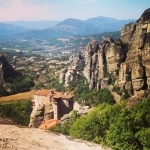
[19, 96]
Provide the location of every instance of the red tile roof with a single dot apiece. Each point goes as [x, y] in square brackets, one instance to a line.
[48, 124]
[68, 95]
[55, 94]
[42, 92]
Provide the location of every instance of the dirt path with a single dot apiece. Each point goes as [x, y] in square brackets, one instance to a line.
[15, 138]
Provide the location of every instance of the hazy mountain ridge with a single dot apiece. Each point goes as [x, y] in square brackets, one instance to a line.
[69, 27]
[39, 25]
[9, 29]
[91, 26]
[111, 23]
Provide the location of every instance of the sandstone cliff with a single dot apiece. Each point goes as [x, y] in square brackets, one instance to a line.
[124, 62]
[75, 59]
[102, 62]
[134, 72]
[67, 75]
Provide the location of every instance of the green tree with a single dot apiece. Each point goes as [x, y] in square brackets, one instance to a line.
[129, 129]
[93, 126]
[65, 128]
[18, 111]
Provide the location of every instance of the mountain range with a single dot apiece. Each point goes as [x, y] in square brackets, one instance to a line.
[9, 29]
[36, 25]
[68, 27]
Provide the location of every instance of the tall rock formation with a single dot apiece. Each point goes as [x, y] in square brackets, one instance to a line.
[67, 75]
[6, 70]
[135, 71]
[125, 62]
[102, 61]
[75, 59]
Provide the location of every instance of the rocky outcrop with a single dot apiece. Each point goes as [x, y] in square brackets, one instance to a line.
[42, 112]
[16, 138]
[124, 62]
[37, 116]
[127, 32]
[6, 70]
[80, 110]
[70, 75]
[136, 67]
[101, 61]
[67, 75]
[62, 75]
[75, 59]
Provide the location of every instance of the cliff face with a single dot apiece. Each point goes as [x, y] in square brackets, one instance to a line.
[75, 59]
[124, 62]
[6, 70]
[67, 75]
[135, 71]
[102, 61]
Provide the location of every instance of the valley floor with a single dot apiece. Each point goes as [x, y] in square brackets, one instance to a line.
[16, 138]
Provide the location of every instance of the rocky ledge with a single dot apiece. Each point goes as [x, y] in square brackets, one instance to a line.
[15, 138]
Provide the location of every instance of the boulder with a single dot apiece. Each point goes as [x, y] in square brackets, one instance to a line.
[76, 106]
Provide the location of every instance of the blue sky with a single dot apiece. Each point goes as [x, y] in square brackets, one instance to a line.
[12, 10]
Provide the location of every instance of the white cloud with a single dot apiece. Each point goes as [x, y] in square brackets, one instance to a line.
[26, 10]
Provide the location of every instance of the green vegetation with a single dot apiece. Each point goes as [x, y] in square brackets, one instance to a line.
[7, 51]
[93, 126]
[130, 127]
[126, 95]
[93, 97]
[18, 111]
[117, 89]
[65, 128]
[53, 83]
[20, 83]
[115, 125]
[39, 86]
[3, 92]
